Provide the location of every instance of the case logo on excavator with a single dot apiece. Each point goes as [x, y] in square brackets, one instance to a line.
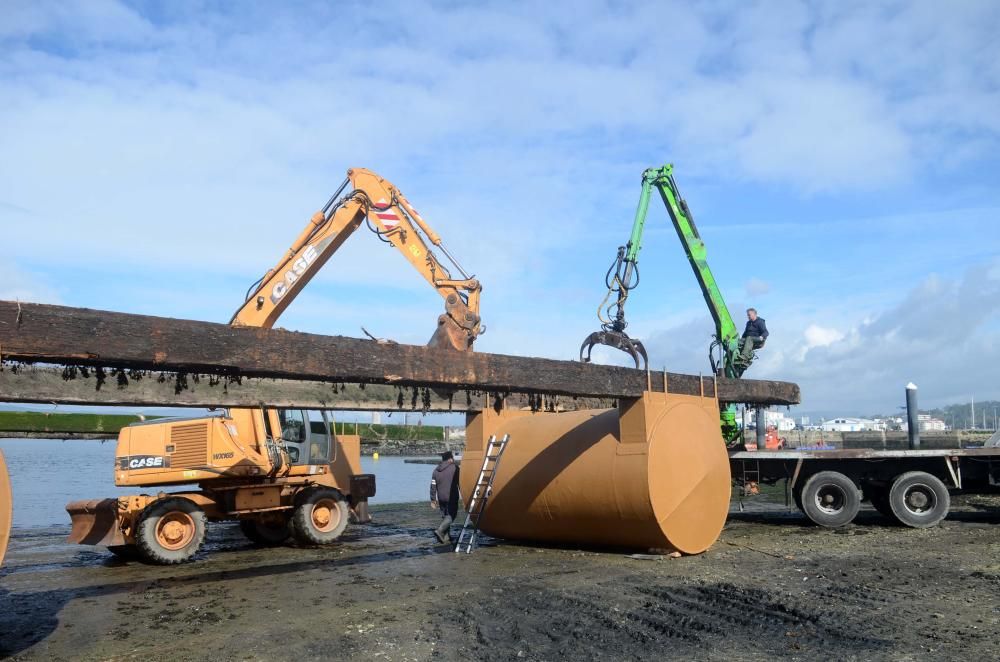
[143, 462]
[299, 268]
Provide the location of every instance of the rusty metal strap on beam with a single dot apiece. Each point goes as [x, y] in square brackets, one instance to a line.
[78, 336]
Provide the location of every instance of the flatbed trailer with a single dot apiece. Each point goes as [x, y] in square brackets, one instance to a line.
[912, 487]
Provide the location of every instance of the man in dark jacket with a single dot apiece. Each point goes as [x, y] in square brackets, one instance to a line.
[754, 334]
[445, 495]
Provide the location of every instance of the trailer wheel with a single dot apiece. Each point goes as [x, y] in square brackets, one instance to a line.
[919, 499]
[170, 531]
[797, 498]
[880, 502]
[320, 516]
[265, 533]
[830, 499]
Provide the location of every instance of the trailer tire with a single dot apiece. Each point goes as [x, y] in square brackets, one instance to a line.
[320, 516]
[919, 499]
[830, 499]
[265, 534]
[170, 531]
[880, 502]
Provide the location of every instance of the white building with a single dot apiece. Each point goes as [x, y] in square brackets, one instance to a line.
[848, 425]
[928, 424]
[775, 419]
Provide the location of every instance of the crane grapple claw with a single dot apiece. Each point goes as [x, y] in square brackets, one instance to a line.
[617, 340]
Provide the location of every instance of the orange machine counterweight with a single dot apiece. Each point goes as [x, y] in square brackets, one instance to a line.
[652, 473]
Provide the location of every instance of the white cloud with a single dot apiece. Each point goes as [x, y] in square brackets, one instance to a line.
[818, 336]
[756, 287]
[197, 142]
[18, 284]
[942, 335]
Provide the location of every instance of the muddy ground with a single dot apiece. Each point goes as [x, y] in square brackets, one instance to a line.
[773, 586]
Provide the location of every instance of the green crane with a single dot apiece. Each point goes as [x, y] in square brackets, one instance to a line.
[623, 276]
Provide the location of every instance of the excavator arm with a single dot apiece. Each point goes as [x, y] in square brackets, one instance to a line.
[727, 337]
[364, 197]
[724, 352]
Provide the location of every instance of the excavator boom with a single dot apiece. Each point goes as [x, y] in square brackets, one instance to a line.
[623, 276]
[372, 200]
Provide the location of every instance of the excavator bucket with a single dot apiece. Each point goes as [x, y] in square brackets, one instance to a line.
[6, 507]
[617, 340]
[95, 522]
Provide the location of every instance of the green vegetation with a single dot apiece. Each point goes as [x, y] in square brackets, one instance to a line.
[394, 432]
[37, 421]
[959, 416]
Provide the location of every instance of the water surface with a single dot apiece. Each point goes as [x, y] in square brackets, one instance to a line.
[46, 474]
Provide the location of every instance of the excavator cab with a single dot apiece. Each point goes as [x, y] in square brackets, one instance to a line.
[306, 435]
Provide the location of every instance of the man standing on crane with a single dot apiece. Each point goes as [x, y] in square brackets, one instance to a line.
[754, 334]
[445, 494]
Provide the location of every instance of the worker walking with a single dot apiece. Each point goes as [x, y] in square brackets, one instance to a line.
[754, 334]
[445, 494]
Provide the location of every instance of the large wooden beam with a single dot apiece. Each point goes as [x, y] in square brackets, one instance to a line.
[133, 348]
[46, 384]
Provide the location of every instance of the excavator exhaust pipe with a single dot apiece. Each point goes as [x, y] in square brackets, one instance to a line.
[617, 340]
[6, 507]
[651, 474]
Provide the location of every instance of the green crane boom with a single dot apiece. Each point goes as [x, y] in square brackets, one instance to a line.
[623, 276]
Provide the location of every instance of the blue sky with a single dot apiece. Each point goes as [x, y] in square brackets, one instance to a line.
[840, 159]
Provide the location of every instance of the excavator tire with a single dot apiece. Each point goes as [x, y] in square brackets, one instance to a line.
[125, 552]
[320, 516]
[170, 531]
[265, 533]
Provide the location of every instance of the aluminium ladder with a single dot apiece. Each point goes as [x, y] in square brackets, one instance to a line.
[481, 494]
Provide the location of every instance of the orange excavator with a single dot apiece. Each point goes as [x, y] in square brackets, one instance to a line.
[280, 472]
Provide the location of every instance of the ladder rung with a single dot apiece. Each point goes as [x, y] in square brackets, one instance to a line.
[481, 494]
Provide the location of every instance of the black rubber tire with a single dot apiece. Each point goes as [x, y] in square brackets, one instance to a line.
[304, 527]
[266, 535]
[919, 499]
[797, 497]
[830, 499]
[126, 552]
[146, 526]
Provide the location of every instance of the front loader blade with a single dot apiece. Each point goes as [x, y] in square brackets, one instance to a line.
[95, 522]
[6, 507]
[618, 340]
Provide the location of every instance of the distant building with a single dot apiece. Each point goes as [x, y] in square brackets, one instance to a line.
[929, 424]
[849, 425]
[881, 424]
[775, 419]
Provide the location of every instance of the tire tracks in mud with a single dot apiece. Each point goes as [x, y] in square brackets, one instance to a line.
[644, 621]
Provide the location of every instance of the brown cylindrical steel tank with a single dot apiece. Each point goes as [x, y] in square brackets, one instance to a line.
[653, 474]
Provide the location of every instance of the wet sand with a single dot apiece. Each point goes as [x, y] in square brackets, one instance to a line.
[773, 586]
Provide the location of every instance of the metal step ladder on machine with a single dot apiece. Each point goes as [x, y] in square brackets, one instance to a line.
[481, 494]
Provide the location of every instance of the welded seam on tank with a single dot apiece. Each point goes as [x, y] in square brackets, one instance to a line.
[704, 477]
